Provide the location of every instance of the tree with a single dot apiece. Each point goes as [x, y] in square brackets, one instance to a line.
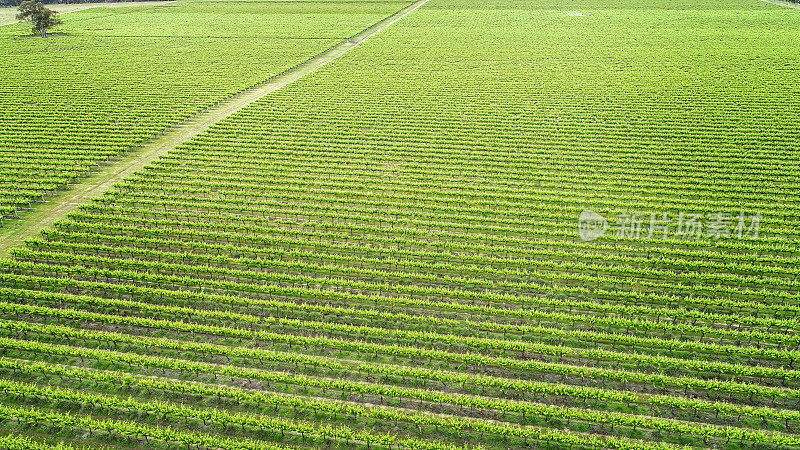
[37, 15]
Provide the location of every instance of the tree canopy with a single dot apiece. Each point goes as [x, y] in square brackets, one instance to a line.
[37, 15]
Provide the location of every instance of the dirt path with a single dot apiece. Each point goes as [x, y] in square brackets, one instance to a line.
[8, 14]
[15, 232]
[782, 3]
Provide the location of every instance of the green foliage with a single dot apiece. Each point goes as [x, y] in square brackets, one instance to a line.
[13, 442]
[37, 15]
[116, 79]
[385, 253]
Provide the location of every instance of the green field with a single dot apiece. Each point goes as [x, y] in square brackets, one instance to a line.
[112, 77]
[396, 251]
[8, 15]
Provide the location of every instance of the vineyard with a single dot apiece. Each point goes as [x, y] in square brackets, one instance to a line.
[113, 77]
[391, 252]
